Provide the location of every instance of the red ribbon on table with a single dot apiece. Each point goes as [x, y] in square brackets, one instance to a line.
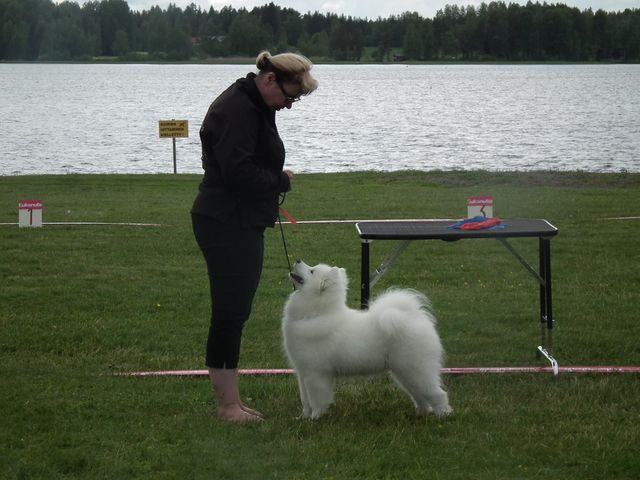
[488, 223]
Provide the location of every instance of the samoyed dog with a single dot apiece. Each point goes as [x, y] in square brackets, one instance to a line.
[323, 339]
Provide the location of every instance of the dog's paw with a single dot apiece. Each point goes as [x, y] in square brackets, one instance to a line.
[318, 413]
[443, 412]
[306, 414]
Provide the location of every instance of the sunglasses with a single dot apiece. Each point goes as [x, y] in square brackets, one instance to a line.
[287, 98]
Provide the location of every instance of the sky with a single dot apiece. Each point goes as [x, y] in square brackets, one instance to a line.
[372, 9]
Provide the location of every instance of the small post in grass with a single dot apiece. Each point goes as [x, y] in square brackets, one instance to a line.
[172, 129]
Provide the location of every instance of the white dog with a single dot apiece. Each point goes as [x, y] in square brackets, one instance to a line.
[323, 338]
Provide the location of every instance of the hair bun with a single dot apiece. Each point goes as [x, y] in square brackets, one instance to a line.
[263, 60]
[288, 67]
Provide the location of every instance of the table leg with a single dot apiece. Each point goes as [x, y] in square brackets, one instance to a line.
[545, 247]
[546, 310]
[543, 295]
[364, 274]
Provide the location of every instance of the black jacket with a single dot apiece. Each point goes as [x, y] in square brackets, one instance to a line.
[242, 158]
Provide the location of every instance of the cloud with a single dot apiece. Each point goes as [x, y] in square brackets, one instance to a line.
[333, 6]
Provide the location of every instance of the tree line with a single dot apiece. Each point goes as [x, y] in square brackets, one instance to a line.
[41, 30]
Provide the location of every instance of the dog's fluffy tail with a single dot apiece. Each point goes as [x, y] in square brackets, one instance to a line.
[398, 304]
[404, 299]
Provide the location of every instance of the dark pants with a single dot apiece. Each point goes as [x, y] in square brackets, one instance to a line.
[234, 262]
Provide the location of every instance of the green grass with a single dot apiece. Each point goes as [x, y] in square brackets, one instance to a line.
[81, 303]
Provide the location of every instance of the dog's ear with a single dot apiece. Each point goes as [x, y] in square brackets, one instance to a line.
[340, 275]
[330, 278]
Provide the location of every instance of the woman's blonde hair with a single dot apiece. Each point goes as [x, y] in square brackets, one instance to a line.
[289, 67]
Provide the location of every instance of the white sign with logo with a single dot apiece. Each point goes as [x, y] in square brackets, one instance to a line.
[480, 207]
[30, 213]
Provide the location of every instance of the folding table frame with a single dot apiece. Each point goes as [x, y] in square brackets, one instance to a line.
[407, 231]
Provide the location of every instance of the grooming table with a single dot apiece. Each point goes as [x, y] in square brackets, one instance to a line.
[407, 231]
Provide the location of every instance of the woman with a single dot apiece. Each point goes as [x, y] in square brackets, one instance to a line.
[242, 158]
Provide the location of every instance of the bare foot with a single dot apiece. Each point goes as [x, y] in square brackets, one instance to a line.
[235, 413]
[251, 411]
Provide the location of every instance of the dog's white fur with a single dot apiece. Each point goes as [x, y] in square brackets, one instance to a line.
[323, 338]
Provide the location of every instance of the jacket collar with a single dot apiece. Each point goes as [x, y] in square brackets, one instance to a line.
[248, 85]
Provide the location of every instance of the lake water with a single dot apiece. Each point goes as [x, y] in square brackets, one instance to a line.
[104, 118]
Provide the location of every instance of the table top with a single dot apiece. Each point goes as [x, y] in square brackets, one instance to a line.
[439, 229]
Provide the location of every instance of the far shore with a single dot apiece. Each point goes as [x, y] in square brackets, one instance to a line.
[239, 60]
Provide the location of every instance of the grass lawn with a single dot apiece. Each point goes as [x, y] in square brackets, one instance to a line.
[80, 303]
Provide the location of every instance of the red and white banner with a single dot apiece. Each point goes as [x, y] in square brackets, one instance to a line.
[30, 204]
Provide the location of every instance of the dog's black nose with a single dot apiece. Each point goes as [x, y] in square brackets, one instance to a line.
[298, 261]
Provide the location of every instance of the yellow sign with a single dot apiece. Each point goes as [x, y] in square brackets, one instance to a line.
[173, 128]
